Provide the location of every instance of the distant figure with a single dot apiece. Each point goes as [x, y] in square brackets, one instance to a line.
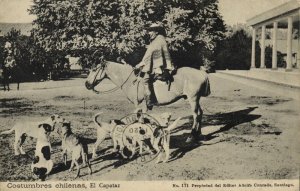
[9, 62]
[10, 69]
[8, 49]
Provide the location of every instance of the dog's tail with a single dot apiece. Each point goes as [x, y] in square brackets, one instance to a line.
[174, 124]
[7, 132]
[96, 116]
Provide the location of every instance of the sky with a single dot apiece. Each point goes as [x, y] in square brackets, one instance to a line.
[239, 11]
[233, 11]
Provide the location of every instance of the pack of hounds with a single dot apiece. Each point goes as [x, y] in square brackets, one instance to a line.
[42, 163]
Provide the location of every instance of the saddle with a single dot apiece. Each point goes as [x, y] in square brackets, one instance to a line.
[166, 76]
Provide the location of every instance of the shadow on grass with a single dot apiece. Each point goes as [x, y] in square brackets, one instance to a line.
[229, 120]
[120, 161]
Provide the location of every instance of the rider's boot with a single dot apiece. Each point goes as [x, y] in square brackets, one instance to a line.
[148, 93]
[148, 97]
[149, 102]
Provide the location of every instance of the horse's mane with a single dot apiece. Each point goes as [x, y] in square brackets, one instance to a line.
[120, 63]
[128, 66]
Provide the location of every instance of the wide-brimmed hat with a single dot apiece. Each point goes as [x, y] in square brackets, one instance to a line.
[155, 27]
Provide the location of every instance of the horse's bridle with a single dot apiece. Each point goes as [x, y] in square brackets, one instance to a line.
[102, 67]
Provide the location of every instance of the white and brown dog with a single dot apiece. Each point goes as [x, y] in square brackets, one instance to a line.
[73, 144]
[32, 129]
[161, 140]
[105, 130]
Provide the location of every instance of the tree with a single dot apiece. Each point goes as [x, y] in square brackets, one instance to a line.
[268, 57]
[96, 30]
[234, 52]
[32, 59]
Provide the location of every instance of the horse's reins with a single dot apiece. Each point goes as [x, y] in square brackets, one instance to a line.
[113, 89]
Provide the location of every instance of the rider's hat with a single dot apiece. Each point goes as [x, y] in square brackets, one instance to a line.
[157, 27]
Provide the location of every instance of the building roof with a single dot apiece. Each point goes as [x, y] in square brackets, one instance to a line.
[291, 8]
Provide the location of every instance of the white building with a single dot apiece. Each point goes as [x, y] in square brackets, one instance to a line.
[285, 16]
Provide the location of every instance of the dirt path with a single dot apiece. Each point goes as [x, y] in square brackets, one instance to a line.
[251, 133]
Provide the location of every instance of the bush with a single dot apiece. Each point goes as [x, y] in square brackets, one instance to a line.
[234, 52]
[97, 30]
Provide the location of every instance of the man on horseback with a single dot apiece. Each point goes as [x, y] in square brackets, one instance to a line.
[156, 61]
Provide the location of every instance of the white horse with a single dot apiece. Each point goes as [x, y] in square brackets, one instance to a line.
[189, 83]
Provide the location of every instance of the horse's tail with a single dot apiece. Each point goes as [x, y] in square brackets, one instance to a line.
[96, 116]
[205, 91]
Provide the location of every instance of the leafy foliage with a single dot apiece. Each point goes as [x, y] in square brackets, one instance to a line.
[32, 59]
[234, 52]
[268, 58]
[96, 30]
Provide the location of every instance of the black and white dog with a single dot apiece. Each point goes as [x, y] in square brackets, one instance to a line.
[42, 163]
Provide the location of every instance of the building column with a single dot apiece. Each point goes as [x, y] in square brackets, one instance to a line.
[253, 47]
[289, 44]
[298, 53]
[262, 47]
[274, 52]
[298, 48]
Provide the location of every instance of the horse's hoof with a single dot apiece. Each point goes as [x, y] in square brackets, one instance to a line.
[94, 156]
[190, 139]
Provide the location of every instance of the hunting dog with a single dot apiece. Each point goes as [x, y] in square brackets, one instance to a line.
[160, 139]
[113, 129]
[106, 129]
[42, 163]
[32, 129]
[72, 143]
